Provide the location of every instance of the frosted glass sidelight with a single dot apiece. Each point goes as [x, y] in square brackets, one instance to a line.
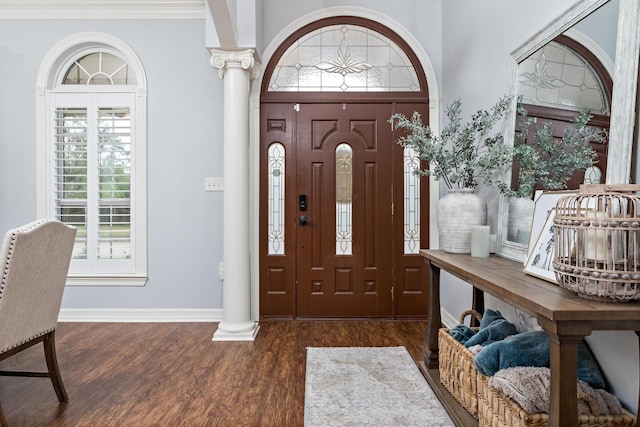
[344, 200]
[411, 202]
[276, 172]
[344, 58]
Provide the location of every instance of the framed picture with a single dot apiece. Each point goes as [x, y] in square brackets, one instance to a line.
[545, 201]
[540, 262]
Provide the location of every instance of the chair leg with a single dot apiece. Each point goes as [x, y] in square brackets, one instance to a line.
[52, 365]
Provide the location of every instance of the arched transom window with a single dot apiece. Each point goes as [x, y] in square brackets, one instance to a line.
[99, 68]
[344, 58]
[556, 76]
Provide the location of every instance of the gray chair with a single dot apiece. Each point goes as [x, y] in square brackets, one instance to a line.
[35, 262]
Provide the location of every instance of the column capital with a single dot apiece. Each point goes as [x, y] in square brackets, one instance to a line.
[245, 59]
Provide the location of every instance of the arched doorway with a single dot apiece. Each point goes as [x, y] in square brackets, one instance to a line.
[342, 217]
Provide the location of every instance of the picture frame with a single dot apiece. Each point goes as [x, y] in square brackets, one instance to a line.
[545, 201]
[540, 262]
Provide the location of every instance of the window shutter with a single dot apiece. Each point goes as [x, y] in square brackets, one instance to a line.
[93, 172]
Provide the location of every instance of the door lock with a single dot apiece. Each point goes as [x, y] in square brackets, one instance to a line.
[304, 221]
[302, 202]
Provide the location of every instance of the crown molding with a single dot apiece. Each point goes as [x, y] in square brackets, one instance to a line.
[102, 9]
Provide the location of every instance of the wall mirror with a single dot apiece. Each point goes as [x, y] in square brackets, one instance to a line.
[548, 73]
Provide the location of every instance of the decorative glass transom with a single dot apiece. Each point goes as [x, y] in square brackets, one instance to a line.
[556, 76]
[344, 199]
[99, 68]
[276, 199]
[344, 58]
[411, 202]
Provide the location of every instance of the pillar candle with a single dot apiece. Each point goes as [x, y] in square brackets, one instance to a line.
[480, 241]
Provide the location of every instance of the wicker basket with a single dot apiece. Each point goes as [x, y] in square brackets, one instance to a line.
[597, 242]
[497, 410]
[457, 371]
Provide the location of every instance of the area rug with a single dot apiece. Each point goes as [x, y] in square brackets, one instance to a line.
[368, 386]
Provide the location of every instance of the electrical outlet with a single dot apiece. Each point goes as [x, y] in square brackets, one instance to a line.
[214, 184]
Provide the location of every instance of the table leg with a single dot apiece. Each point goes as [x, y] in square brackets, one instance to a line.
[563, 353]
[434, 322]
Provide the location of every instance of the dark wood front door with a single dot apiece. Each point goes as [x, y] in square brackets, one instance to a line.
[340, 255]
[344, 252]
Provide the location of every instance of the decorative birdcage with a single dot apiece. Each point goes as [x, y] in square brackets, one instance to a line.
[597, 242]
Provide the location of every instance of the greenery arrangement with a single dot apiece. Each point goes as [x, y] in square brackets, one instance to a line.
[550, 162]
[464, 153]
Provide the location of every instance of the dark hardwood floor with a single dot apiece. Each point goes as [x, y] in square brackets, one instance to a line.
[153, 374]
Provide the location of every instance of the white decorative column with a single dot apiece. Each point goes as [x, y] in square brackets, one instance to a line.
[236, 67]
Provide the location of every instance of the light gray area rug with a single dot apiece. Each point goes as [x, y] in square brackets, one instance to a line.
[368, 386]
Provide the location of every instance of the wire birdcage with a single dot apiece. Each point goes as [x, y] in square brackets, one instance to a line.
[596, 242]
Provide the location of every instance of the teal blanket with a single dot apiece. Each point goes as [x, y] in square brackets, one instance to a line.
[532, 349]
[493, 327]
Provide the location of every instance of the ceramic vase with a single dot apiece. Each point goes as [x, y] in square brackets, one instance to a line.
[458, 212]
[519, 220]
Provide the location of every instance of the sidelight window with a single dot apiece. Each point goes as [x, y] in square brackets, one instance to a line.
[411, 202]
[276, 199]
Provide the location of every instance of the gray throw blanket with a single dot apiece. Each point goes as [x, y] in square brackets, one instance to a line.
[532, 349]
[529, 387]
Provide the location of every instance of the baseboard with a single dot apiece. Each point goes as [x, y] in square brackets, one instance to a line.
[154, 315]
[447, 319]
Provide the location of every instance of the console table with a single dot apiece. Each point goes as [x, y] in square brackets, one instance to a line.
[566, 317]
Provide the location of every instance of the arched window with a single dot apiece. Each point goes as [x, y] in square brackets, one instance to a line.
[344, 58]
[94, 148]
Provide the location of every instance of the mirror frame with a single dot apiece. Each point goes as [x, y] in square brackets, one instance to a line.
[623, 101]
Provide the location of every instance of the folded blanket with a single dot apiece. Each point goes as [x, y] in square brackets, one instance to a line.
[461, 333]
[529, 387]
[532, 349]
[493, 327]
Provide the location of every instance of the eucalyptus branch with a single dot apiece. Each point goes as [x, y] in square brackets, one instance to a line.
[463, 153]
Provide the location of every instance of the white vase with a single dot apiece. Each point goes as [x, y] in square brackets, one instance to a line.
[519, 220]
[458, 212]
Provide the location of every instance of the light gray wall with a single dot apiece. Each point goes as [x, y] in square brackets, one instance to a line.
[185, 120]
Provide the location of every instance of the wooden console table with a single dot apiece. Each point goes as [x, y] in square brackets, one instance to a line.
[566, 317]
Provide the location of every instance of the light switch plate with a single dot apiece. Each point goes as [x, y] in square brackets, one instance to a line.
[213, 184]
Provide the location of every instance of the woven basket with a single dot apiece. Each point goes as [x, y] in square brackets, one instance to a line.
[458, 373]
[497, 410]
[597, 242]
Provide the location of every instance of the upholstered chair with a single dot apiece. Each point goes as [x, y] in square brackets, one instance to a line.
[34, 263]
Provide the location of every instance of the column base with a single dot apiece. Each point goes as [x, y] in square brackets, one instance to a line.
[246, 331]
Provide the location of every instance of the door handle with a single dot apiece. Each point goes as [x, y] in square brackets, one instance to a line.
[304, 221]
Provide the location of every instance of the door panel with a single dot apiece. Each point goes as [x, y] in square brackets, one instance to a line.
[351, 276]
[410, 273]
[277, 264]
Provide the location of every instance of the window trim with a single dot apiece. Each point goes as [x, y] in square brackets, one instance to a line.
[51, 70]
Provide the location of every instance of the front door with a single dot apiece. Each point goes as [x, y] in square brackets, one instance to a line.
[330, 174]
[344, 246]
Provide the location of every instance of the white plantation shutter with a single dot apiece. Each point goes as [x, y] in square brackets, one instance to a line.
[93, 175]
